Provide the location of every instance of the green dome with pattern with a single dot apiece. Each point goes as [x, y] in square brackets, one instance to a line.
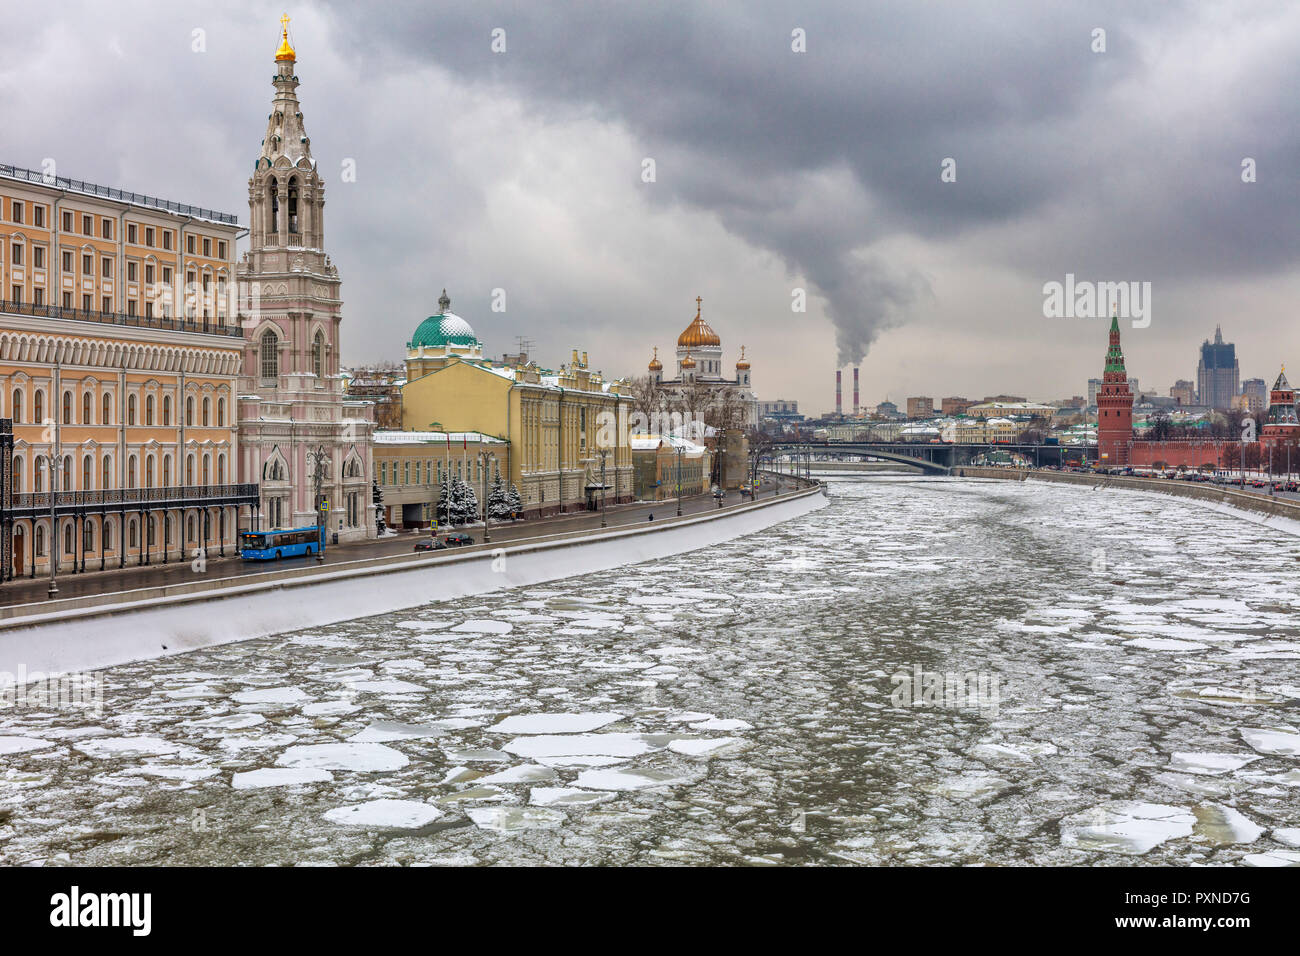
[444, 329]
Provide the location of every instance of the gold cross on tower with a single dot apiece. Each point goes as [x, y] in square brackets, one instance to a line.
[698, 300]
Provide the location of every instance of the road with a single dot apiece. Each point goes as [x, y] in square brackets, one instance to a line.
[35, 590]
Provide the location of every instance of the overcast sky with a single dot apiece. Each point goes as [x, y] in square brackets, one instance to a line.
[774, 170]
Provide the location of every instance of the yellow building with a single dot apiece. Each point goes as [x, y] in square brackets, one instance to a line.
[558, 427]
[411, 468]
[130, 405]
[661, 462]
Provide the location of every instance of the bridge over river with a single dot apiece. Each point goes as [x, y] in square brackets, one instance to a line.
[936, 458]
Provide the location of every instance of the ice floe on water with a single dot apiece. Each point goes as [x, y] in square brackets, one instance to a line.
[735, 705]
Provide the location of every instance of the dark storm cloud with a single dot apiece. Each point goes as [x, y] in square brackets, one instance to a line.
[1013, 92]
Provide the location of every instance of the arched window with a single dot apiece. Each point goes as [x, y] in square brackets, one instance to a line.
[18, 406]
[67, 408]
[40, 540]
[148, 471]
[85, 410]
[207, 412]
[135, 537]
[17, 475]
[167, 470]
[189, 469]
[107, 476]
[87, 473]
[189, 528]
[87, 536]
[221, 412]
[274, 190]
[318, 354]
[39, 484]
[167, 410]
[189, 411]
[38, 408]
[293, 205]
[148, 410]
[108, 418]
[270, 358]
[130, 474]
[221, 469]
[67, 472]
[67, 538]
[108, 535]
[130, 410]
[207, 469]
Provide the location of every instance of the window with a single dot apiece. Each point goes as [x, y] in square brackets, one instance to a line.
[38, 408]
[221, 412]
[148, 410]
[318, 354]
[167, 238]
[135, 537]
[189, 244]
[106, 267]
[67, 261]
[87, 225]
[85, 410]
[108, 535]
[67, 221]
[148, 236]
[67, 472]
[17, 475]
[132, 233]
[148, 471]
[87, 264]
[40, 541]
[221, 249]
[189, 411]
[207, 411]
[107, 418]
[270, 360]
[148, 273]
[221, 469]
[167, 410]
[38, 216]
[85, 302]
[106, 304]
[16, 295]
[16, 254]
[293, 205]
[87, 473]
[67, 538]
[38, 256]
[67, 408]
[167, 470]
[106, 478]
[39, 484]
[130, 410]
[17, 211]
[17, 410]
[131, 308]
[107, 231]
[38, 296]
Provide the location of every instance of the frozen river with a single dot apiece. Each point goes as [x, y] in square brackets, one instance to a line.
[1118, 682]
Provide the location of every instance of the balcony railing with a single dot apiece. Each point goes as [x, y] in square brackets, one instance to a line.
[206, 326]
[136, 497]
[121, 195]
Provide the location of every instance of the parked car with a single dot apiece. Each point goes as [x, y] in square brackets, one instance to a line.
[430, 544]
[459, 539]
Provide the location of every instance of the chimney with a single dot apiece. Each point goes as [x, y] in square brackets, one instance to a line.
[855, 391]
[839, 400]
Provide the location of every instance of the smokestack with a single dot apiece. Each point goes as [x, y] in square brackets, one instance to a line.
[839, 401]
[855, 391]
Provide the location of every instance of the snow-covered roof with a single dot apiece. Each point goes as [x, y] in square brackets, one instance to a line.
[651, 442]
[390, 436]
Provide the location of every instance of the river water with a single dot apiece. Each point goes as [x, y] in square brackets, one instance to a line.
[926, 671]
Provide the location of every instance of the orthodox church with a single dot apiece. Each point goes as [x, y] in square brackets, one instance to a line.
[700, 365]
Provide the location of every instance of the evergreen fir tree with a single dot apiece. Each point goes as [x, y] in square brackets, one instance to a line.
[516, 502]
[469, 503]
[498, 500]
[444, 502]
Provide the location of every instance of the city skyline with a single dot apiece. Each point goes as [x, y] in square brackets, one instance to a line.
[529, 179]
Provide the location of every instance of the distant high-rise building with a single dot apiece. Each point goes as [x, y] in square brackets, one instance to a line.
[1255, 388]
[1094, 386]
[1217, 376]
[921, 406]
[1183, 392]
[954, 405]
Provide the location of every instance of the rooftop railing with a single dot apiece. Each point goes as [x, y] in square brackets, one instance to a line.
[207, 326]
[120, 195]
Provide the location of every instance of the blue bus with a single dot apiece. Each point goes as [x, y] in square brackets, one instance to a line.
[279, 543]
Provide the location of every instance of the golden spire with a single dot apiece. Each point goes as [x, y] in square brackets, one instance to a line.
[744, 362]
[698, 300]
[285, 52]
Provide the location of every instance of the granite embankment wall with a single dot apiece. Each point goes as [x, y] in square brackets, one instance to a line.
[1204, 492]
[104, 630]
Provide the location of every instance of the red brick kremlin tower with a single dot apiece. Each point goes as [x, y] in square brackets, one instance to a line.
[1114, 406]
[1281, 426]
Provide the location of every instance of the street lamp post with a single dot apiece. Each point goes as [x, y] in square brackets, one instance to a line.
[603, 453]
[484, 457]
[317, 481]
[55, 465]
[679, 481]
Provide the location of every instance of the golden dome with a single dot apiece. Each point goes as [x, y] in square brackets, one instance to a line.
[698, 333]
[743, 363]
[688, 362]
[655, 364]
[285, 52]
